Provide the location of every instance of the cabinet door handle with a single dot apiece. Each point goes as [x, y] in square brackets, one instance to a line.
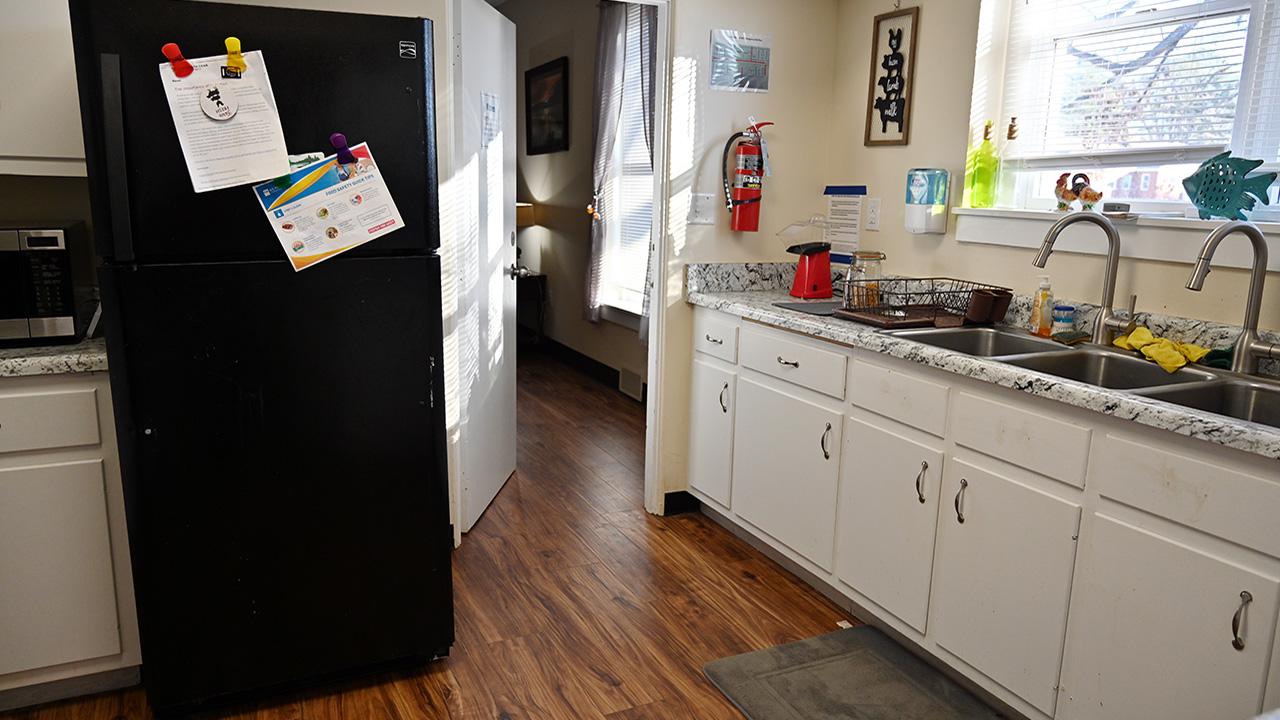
[795, 364]
[1237, 642]
[924, 465]
[825, 454]
[963, 484]
[723, 390]
[714, 341]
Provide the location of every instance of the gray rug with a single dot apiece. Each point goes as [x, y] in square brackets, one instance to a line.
[852, 674]
[818, 307]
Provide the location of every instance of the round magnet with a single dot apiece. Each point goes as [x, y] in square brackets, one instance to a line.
[218, 102]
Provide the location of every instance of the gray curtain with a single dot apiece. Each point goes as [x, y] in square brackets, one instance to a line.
[611, 41]
[648, 55]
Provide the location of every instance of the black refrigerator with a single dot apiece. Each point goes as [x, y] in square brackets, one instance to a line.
[281, 433]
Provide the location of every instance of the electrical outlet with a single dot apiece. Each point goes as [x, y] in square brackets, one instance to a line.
[702, 210]
[873, 213]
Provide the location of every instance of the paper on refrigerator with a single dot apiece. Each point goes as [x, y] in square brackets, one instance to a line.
[327, 208]
[236, 137]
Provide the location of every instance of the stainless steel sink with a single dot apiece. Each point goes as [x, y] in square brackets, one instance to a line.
[1244, 399]
[981, 341]
[1108, 369]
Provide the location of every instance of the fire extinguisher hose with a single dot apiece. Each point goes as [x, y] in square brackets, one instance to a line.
[724, 174]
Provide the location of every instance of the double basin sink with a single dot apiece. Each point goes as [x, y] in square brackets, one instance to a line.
[1221, 392]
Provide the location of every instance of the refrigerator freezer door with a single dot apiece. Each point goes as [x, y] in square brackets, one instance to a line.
[281, 440]
[366, 76]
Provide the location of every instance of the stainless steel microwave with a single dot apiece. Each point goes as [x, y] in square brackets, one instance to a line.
[37, 288]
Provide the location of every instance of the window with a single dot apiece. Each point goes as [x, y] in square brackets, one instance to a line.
[629, 188]
[1135, 93]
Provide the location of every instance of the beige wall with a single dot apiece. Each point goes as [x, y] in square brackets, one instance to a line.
[560, 184]
[821, 56]
[939, 131]
[702, 120]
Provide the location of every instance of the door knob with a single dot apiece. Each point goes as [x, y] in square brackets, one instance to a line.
[516, 272]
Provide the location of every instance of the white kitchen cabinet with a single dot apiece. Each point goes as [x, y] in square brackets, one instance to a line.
[786, 466]
[39, 102]
[1002, 579]
[712, 393]
[57, 600]
[1152, 631]
[889, 490]
[67, 613]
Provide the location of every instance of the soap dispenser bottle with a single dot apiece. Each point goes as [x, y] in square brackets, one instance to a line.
[1042, 309]
[982, 166]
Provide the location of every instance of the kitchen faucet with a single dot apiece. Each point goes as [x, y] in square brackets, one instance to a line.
[1249, 347]
[1108, 323]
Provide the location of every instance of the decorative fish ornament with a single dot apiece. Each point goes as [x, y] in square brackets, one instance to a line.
[1219, 188]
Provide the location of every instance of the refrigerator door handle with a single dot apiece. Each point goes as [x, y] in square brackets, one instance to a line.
[117, 168]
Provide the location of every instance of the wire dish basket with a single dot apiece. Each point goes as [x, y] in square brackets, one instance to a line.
[909, 302]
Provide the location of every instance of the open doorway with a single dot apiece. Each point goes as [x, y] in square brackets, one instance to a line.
[559, 185]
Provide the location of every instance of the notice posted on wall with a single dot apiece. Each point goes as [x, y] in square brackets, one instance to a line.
[228, 126]
[740, 61]
[491, 120]
[844, 220]
[327, 208]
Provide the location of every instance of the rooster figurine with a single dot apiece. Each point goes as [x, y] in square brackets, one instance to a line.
[1064, 193]
[1088, 196]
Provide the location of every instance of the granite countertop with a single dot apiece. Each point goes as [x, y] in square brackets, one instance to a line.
[725, 288]
[84, 356]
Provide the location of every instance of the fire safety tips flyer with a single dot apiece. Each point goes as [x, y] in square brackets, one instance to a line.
[327, 208]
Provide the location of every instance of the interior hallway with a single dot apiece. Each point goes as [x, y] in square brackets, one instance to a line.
[570, 600]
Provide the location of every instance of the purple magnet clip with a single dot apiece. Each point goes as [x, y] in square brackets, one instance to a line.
[344, 153]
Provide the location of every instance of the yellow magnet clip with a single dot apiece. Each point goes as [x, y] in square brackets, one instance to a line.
[235, 61]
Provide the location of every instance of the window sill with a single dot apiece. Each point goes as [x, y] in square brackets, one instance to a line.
[1168, 239]
[618, 316]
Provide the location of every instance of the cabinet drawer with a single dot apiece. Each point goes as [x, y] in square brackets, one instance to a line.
[919, 403]
[716, 335]
[46, 420]
[1209, 497]
[792, 358]
[1026, 438]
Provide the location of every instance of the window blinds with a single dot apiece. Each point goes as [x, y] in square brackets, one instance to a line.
[1143, 81]
[627, 262]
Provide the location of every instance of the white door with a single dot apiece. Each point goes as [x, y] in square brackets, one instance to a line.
[1002, 579]
[889, 492]
[711, 402]
[480, 199]
[1153, 632]
[786, 463]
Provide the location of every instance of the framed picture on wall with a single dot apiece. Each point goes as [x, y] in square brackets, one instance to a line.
[893, 67]
[546, 107]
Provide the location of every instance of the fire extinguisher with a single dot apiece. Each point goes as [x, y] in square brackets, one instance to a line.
[743, 200]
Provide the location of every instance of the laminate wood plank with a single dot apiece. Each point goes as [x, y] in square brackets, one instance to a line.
[570, 600]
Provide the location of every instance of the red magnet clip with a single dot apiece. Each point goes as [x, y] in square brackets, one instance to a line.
[235, 61]
[181, 67]
[340, 144]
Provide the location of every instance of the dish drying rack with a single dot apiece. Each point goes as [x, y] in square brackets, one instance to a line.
[909, 302]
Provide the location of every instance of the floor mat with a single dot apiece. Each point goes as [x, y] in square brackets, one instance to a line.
[822, 307]
[852, 674]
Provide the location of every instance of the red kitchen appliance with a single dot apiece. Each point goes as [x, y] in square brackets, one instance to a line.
[813, 271]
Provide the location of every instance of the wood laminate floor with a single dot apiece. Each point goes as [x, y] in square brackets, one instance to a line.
[570, 600]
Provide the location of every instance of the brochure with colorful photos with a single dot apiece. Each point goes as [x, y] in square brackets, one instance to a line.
[327, 208]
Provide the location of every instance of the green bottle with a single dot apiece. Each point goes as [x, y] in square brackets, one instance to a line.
[985, 166]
